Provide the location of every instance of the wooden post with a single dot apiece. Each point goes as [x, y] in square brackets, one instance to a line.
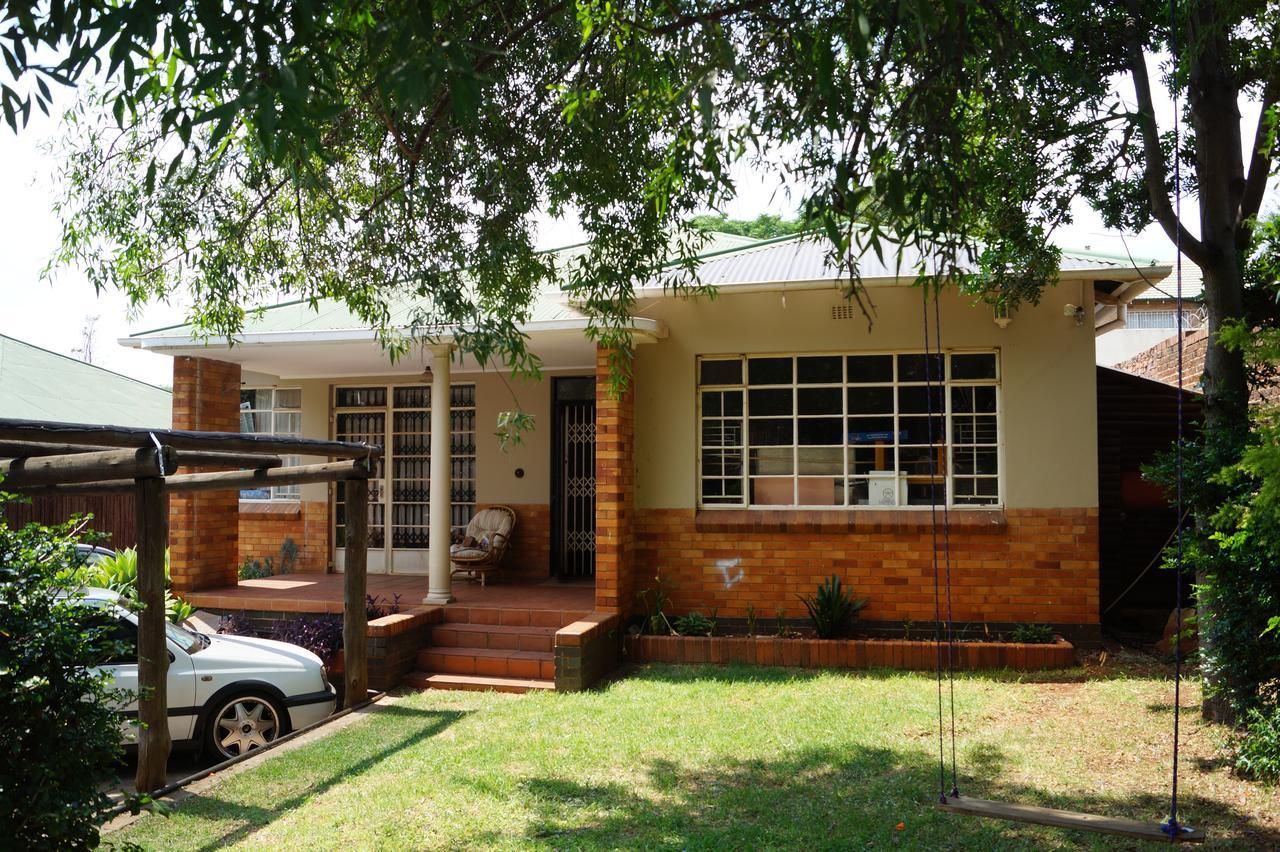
[354, 618]
[152, 526]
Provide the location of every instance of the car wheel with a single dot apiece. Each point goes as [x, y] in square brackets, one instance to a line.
[243, 723]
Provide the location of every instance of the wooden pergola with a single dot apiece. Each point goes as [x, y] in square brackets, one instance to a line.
[47, 458]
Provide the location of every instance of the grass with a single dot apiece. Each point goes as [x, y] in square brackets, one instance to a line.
[727, 758]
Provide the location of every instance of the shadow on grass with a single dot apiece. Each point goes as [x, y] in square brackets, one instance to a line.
[250, 818]
[828, 799]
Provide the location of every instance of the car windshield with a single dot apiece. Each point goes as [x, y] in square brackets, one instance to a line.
[184, 638]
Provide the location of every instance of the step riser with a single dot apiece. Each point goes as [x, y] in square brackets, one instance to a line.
[447, 637]
[466, 664]
[556, 618]
[424, 681]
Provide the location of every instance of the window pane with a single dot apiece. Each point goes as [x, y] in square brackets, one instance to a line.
[820, 460]
[979, 460]
[916, 430]
[722, 463]
[871, 400]
[721, 372]
[769, 371]
[911, 368]
[288, 423]
[256, 399]
[981, 399]
[772, 461]
[821, 430]
[770, 433]
[722, 433]
[289, 398]
[819, 401]
[925, 493]
[973, 366]
[773, 491]
[711, 404]
[863, 460]
[921, 461]
[973, 429]
[870, 368]
[871, 430]
[769, 402]
[819, 370]
[820, 491]
[921, 400]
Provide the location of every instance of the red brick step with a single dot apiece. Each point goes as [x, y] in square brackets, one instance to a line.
[488, 662]
[478, 683]
[492, 636]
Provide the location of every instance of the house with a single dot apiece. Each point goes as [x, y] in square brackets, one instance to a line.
[36, 384]
[770, 437]
[1129, 332]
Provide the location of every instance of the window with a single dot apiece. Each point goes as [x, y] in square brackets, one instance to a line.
[272, 411]
[849, 430]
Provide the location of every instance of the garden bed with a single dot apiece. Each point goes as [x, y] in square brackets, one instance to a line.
[847, 653]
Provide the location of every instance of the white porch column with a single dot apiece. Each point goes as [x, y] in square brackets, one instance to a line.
[440, 590]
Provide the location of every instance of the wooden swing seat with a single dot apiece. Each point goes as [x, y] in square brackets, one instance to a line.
[1066, 819]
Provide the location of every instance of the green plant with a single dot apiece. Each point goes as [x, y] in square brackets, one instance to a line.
[1033, 634]
[61, 731]
[782, 630]
[654, 601]
[282, 563]
[907, 624]
[832, 609]
[119, 573]
[694, 624]
[1258, 752]
[255, 569]
[751, 620]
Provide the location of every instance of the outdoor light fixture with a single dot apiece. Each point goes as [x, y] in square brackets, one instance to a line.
[1002, 317]
[1075, 312]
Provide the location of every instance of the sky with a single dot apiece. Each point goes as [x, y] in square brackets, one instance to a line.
[53, 313]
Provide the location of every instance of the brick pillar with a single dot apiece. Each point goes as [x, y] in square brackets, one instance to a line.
[204, 537]
[615, 492]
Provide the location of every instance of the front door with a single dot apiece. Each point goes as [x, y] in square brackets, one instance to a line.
[398, 418]
[573, 463]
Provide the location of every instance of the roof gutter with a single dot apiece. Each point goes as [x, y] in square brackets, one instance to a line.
[644, 327]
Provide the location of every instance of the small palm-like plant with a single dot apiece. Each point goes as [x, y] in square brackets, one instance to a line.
[832, 609]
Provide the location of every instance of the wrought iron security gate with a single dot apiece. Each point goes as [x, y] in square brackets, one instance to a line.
[573, 505]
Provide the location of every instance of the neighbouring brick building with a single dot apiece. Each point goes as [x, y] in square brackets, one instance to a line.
[766, 439]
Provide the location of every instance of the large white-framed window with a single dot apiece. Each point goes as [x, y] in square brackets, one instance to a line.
[272, 411]
[849, 429]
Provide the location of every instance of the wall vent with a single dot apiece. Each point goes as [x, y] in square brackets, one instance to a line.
[843, 312]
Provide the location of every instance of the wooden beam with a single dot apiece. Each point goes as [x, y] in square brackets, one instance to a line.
[230, 480]
[251, 461]
[39, 431]
[354, 616]
[26, 449]
[87, 467]
[1065, 819]
[151, 515]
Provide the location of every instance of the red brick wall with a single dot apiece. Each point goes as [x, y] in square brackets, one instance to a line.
[529, 554]
[203, 528]
[615, 492]
[1160, 362]
[1031, 565]
[264, 527]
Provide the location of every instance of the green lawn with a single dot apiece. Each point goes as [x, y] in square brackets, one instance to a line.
[724, 758]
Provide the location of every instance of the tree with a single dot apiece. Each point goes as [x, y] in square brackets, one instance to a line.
[762, 227]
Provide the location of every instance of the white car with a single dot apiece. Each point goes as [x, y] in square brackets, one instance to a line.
[231, 694]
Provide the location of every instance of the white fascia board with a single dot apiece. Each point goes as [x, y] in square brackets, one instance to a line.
[644, 326]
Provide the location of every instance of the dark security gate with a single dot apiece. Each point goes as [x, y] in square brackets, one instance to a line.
[573, 465]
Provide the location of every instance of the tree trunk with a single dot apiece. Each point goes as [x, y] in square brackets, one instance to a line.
[1215, 117]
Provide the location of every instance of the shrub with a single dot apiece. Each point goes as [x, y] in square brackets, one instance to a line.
[694, 624]
[119, 573]
[378, 607]
[257, 569]
[1033, 634]
[833, 609]
[1258, 753]
[236, 624]
[319, 634]
[62, 735]
[654, 601]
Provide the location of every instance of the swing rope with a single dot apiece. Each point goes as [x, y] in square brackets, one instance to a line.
[946, 526]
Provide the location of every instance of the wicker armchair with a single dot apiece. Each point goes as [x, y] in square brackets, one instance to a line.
[485, 544]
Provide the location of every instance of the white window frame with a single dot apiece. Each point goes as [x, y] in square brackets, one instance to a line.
[278, 493]
[846, 476]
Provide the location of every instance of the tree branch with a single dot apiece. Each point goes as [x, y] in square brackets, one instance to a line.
[1259, 166]
[1155, 174]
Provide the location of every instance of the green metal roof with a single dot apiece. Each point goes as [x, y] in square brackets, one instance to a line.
[37, 384]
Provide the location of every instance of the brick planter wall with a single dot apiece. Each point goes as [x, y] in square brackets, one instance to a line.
[846, 653]
[263, 527]
[203, 527]
[1019, 565]
[394, 642]
[586, 651]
